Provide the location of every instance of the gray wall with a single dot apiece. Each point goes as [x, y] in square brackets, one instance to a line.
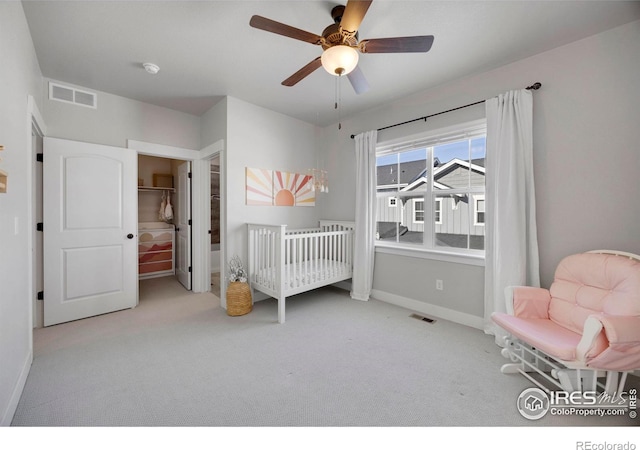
[586, 161]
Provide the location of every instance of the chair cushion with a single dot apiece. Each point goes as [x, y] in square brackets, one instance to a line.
[589, 283]
[543, 334]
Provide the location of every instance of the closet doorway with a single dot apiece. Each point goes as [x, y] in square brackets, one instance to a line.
[215, 225]
[164, 219]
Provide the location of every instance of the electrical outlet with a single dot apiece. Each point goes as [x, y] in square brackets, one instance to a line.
[439, 285]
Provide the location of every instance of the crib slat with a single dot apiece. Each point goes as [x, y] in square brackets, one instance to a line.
[284, 263]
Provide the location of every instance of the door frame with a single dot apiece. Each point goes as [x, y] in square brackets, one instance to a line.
[35, 122]
[204, 166]
[183, 223]
[200, 212]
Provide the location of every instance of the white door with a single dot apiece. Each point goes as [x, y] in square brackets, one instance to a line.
[90, 226]
[183, 225]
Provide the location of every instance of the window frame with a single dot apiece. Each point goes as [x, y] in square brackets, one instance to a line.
[427, 249]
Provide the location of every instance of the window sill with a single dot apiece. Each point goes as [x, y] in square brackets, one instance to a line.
[472, 259]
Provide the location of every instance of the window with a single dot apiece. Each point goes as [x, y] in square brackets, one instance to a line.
[437, 184]
[479, 210]
[418, 210]
[438, 211]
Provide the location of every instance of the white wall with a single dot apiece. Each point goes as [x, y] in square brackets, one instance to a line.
[586, 164]
[213, 126]
[263, 139]
[586, 161]
[118, 119]
[20, 77]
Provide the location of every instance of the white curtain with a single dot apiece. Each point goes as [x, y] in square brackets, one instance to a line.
[363, 257]
[511, 242]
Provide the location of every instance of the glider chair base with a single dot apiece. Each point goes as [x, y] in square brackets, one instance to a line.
[527, 360]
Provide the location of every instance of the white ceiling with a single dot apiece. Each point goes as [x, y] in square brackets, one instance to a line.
[206, 49]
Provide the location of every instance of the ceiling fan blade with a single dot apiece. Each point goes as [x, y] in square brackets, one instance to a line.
[358, 81]
[302, 73]
[409, 44]
[272, 26]
[353, 14]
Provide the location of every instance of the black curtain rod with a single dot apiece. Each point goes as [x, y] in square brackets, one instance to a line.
[533, 87]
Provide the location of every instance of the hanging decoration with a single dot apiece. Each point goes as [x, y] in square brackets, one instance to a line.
[320, 180]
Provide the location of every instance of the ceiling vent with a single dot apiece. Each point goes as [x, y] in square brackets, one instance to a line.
[72, 95]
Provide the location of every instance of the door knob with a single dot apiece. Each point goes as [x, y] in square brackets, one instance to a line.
[129, 236]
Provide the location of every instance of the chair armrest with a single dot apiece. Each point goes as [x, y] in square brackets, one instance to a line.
[609, 339]
[621, 329]
[527, 302]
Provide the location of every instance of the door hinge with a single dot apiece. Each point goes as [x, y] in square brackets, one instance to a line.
[39, 157]
[189, 269]
[189, 175]
[189, 222]
[40, 226]
[40, 295]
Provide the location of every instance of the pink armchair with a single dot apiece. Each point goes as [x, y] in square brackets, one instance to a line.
[585, 327]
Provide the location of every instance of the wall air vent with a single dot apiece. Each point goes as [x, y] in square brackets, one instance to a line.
[72, 95]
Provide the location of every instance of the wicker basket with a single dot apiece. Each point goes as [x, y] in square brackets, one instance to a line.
[238, 299]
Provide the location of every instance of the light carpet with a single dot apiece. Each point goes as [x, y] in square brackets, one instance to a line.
[178, 360]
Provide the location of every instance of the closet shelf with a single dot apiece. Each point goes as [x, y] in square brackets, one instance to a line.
[155, 189]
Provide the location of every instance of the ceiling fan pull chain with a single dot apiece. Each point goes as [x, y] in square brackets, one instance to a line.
[338, 100]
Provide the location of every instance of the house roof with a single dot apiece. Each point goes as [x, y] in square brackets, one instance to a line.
[405, 172]
[414, 173]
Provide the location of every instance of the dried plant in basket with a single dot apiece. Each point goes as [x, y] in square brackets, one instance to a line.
[237, 271]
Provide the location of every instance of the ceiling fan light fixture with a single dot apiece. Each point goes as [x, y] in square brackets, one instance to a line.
[339, 59]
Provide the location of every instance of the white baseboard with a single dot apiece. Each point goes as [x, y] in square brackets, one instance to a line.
[429, 309]
[10, 410]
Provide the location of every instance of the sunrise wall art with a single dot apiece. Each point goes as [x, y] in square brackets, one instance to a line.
[278, 188]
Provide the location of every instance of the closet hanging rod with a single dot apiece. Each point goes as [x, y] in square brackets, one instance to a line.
[534, 87]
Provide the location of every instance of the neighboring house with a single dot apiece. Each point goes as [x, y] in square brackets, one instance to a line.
[456, 214]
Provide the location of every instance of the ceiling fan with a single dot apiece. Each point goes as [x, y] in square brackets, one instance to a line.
[341, 45]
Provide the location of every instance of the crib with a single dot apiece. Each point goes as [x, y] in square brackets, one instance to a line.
[286, 262]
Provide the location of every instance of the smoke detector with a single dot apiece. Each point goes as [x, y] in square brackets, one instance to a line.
[151, 68]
